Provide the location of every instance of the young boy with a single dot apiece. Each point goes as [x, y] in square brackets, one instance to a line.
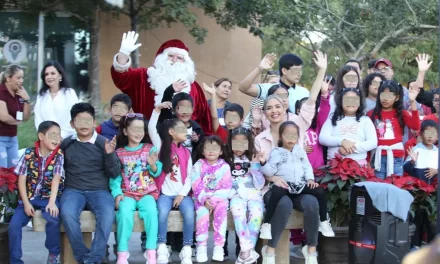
[120, 105]
[40, 183]
[422, 159]
[90, 160]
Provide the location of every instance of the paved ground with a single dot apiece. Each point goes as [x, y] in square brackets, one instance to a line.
[34, 251]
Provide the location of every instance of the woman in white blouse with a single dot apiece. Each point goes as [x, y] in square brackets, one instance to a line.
[55, 98]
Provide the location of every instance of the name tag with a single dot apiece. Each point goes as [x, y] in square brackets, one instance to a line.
[19, 116]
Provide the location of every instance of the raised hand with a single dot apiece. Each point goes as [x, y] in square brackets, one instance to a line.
[320, 59]
[423, 62]
[179, 85]
[413, 91]
[325, 85]
[261, 156]
[268, 61]
[110, 145]
[164, 105]
[128, 43]
[209, 89]
[414, 155]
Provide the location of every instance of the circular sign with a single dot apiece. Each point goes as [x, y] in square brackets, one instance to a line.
[15, 51]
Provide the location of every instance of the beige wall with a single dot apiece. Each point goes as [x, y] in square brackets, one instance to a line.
[232, 54]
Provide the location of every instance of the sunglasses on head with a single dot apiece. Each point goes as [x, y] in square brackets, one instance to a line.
[133, 115]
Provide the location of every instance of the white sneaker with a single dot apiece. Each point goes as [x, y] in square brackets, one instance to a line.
[185, 255]
[163, 255]
[266, 231]
[201, 254]
[218, 254]
[309, 259]
[253, 256]
[295, 251]
[267, 258]
[326, 229]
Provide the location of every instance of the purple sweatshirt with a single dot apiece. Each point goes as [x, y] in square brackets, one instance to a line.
[316, 157]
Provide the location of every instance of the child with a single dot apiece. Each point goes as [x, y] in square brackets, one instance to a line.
[390, 119]
[247, 205]
[37, 192]
[120, 105]
[174, 185]
[349, 133]
[289, 161]
[135, 188]
[211, 185]
[422, 159]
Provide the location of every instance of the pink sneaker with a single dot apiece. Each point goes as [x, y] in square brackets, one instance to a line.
[150, 255]
[123, 257]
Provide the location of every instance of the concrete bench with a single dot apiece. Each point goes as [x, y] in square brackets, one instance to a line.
[175, 224]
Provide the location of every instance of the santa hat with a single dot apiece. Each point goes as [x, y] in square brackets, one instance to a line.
[173, 45]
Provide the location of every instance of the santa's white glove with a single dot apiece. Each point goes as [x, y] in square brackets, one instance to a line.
[242, 191]
[128, 44]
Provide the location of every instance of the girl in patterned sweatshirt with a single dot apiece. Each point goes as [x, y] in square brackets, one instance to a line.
[211, 185]
[247, 205]
[135, 188]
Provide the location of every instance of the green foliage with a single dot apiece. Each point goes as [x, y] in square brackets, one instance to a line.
[27, 134]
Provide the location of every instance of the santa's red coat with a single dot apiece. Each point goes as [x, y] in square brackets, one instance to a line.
[134, 83]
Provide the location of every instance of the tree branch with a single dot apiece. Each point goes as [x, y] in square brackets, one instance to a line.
[338, 25]
[359, 50]
[427, 26]
[311, 42]
[410, 9]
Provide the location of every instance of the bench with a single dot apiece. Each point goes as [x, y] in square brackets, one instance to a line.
[175, 224]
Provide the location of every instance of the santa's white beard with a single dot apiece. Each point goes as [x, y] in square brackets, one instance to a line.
[164, 73]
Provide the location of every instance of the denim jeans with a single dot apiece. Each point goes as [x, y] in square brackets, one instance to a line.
[21, 219]
[8, 152]
[398, 167]
[186, 208]
[101, 203]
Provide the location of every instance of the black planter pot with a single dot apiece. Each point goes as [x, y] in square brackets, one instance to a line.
[4, 243]
[334, 250]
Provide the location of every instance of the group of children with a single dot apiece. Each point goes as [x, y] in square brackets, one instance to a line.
[172, 164]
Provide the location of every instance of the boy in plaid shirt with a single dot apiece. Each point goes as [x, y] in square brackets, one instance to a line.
[40, 183]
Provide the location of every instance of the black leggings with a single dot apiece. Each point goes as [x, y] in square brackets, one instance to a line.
[278, 193]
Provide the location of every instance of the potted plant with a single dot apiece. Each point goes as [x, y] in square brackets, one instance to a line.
[8, 202]
[337, 178]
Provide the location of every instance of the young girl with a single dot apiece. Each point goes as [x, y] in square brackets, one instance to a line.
[289, 161]
[390, 120]
[348, 77]
[211, 185]
[349, 133]
[174, 183]
[135, 188]
[247, 205]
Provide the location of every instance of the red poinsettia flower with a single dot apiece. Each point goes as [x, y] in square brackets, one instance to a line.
[8, 180]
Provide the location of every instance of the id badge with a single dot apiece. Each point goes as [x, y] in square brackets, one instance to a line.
[19, 116]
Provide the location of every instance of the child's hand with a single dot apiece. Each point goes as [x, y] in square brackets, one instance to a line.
[164, 105]
[118, 199]
[312, 184]
[29, 209]
[152, 158]
[413, 91]
[260, 156]
[179, 85]
[208, 89]
[414, 155]
[349, 146]
[422, 61]
[308, 148]
[342, 151]
[178, 200]
[430, 172]
[52, 209]
[324, 86]
[209, 205]
[110, 145]
[321, 60]
[194, 137]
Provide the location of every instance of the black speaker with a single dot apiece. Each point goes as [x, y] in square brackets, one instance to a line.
[374, 237]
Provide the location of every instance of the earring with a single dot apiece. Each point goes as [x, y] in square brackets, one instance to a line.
[61, 79]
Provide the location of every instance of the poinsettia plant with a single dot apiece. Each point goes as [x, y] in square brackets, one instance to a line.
[8, 192]
[337, 178]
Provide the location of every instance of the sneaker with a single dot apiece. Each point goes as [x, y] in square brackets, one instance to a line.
[219, 254]
[202, 254]
[122, 257]
[185, 255]
[266, 231]
[163, 254]
[252, 258]
[309, 258]
[150, 256]
[267, 258]
[295, 251]
[326, 229]
[53, 259]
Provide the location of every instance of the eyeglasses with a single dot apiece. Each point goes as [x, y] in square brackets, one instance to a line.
[384, 69]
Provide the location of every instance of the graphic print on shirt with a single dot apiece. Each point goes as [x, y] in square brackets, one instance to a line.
[188, 143]
[209, 181]
[175, 169]
[349, 129]
[311, 138]
[138, 177]
[240, 169]
[385, 129]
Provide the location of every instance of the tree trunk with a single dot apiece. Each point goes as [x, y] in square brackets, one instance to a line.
[134, 27]
[94, 89]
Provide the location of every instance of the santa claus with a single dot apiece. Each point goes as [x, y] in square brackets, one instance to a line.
[172, 69]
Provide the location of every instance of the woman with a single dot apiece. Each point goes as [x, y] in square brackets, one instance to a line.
[223, 88]
[14, 108]
[55, 98]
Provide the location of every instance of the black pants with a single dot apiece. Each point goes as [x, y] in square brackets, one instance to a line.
[278, 193]
[422, 225]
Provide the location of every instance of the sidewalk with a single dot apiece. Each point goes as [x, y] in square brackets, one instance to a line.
[34, 251]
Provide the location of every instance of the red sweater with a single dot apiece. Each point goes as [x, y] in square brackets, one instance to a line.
[431, 117]
[389, 131]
